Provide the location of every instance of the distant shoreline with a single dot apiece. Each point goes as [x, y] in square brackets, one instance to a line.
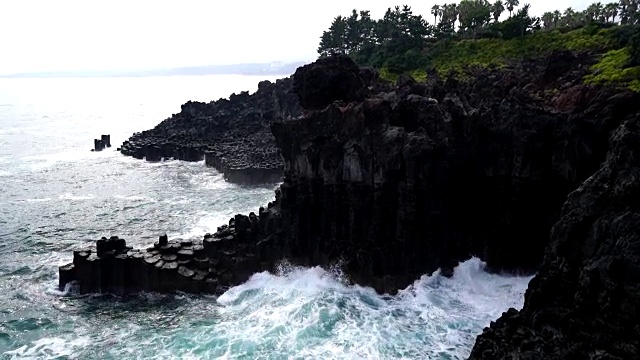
[267, 69]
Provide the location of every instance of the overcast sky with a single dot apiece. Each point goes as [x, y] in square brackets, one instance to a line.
[66, 35]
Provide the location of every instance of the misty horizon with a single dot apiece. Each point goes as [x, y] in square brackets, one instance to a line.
[75, 36]
[270, 68]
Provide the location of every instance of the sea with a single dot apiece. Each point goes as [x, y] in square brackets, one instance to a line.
[56, 195]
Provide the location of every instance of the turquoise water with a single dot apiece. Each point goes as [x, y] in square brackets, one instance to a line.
[57, 195]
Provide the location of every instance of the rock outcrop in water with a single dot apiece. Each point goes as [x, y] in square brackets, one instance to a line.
[392, 183]
[102, 143]
[231, 135]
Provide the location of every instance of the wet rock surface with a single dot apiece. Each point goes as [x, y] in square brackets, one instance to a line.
[210, 265]
[395, 182]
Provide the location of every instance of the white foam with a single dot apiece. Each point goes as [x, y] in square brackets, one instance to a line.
[318, 316]
[38, 200]
[207, 223]
[69, 196]
[44, 161]
[212, 180]
[135, 198]
[49, 348]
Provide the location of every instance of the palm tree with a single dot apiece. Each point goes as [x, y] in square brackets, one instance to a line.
[436, 11]
[624, 11]
[593, 11]
[556, 18]
[450, 14]
[600, 14]
[497, 10]
[510, 4]
[547, 20]
[632, 11]
[610, 11]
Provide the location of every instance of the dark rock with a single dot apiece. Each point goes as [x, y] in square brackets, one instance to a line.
[98, 145]
[113, 246]
[170, 257]
[106, 140]
[587, 292]
[422, 176]
[185, 254]
[163, 240]
[231, 135]
[67, 274]
[327, 80]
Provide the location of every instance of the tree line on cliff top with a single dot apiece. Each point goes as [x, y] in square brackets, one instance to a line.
[399, 40]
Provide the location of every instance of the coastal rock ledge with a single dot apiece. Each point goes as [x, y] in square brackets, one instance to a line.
[232, 135]
[394, 181]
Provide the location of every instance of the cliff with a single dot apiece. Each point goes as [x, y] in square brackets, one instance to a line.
[231, 135]
[393, 182]
[583, 304]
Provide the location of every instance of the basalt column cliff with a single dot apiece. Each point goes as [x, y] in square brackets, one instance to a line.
[392, 182]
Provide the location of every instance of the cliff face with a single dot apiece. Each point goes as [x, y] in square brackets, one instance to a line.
[584, 302]
[401, 183]
[231, 135]
[393, 182]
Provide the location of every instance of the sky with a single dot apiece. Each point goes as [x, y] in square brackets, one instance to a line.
[66, 35]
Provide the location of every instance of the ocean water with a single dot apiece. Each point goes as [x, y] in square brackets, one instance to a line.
[56, 195]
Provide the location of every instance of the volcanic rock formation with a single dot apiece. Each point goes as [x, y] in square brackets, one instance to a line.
[396, 182]
[231, 135]
[584, 302]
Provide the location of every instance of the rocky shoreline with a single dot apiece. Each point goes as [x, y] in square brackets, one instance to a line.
[395, 182]
[231, 135]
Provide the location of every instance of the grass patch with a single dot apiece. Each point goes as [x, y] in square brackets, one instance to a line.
[612, 70]
[496, 52]
[419, 75]
[386, 75]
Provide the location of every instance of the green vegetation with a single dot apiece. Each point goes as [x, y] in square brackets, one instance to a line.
[613, 69]
[469, 34]
[497, 52]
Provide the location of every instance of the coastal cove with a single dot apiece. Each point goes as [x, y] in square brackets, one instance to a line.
[467, 189]
[462, 174]
[59, 196]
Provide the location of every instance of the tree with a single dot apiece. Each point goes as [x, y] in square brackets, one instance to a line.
[353, 32]
[556, 18]
[594, 12]
[435, 10]
[334, 41]
[568, 17]
[547, 20]
[473, 14]
[497, 9]
[628, 11]
[611, 11]
[510, 5]
[518, 25]
[450, 14]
